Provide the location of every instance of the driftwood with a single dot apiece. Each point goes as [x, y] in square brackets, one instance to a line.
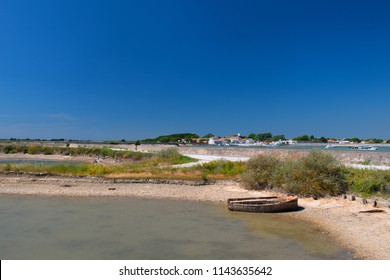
[372, 211]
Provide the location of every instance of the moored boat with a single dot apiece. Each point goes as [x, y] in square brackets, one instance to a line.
[265, 204]
[367, 148]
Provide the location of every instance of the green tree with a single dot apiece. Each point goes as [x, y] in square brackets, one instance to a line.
[137, 143]
[302, 138]
[323, 139]
[278, 137]
[264, 136]
[8, 149]
[252, 136]
[375, 141]
[208, 135]
[355, 140]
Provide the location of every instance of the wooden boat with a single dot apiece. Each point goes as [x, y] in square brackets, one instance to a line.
[266, 204]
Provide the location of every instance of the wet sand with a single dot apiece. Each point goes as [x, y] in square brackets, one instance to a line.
[366, 234]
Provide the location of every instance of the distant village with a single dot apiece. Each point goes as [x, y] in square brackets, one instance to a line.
[260, 139]
[238, 140]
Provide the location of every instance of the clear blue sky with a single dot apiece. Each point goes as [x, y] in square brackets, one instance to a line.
[137, 69]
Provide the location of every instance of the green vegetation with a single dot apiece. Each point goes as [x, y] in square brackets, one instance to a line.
[311, 138]
[208, 135]
[367, 182]
[80, 151]
[167, 156]
[303, 138]
[260, 171]
[354, 140]
[375, 141]
[172, 156]
[223, 167]
[148, 165]
[171, 138]
[268, 137]
[317, 174]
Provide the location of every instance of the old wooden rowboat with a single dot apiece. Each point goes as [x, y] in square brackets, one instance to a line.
[266, 204]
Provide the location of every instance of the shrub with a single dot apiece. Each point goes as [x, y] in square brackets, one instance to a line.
[316, 174]
[8, 149]
[25, 150]
[367, 181]
[47, 151]
[32, 150]
[259, 172]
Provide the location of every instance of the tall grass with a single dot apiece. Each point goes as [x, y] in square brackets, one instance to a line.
[223, 167]
[171, 156]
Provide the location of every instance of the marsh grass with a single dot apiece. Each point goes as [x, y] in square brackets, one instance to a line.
[216, 170]
[136, 163]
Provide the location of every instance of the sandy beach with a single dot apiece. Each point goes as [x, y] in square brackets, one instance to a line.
[366, 234]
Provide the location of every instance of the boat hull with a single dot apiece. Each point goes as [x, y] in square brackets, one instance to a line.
[270, 204]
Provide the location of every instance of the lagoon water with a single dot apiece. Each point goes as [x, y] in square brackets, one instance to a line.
[38, 162]
[126, 228]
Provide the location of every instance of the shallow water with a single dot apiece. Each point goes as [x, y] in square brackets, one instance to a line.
[38, 162]
[126, 228]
